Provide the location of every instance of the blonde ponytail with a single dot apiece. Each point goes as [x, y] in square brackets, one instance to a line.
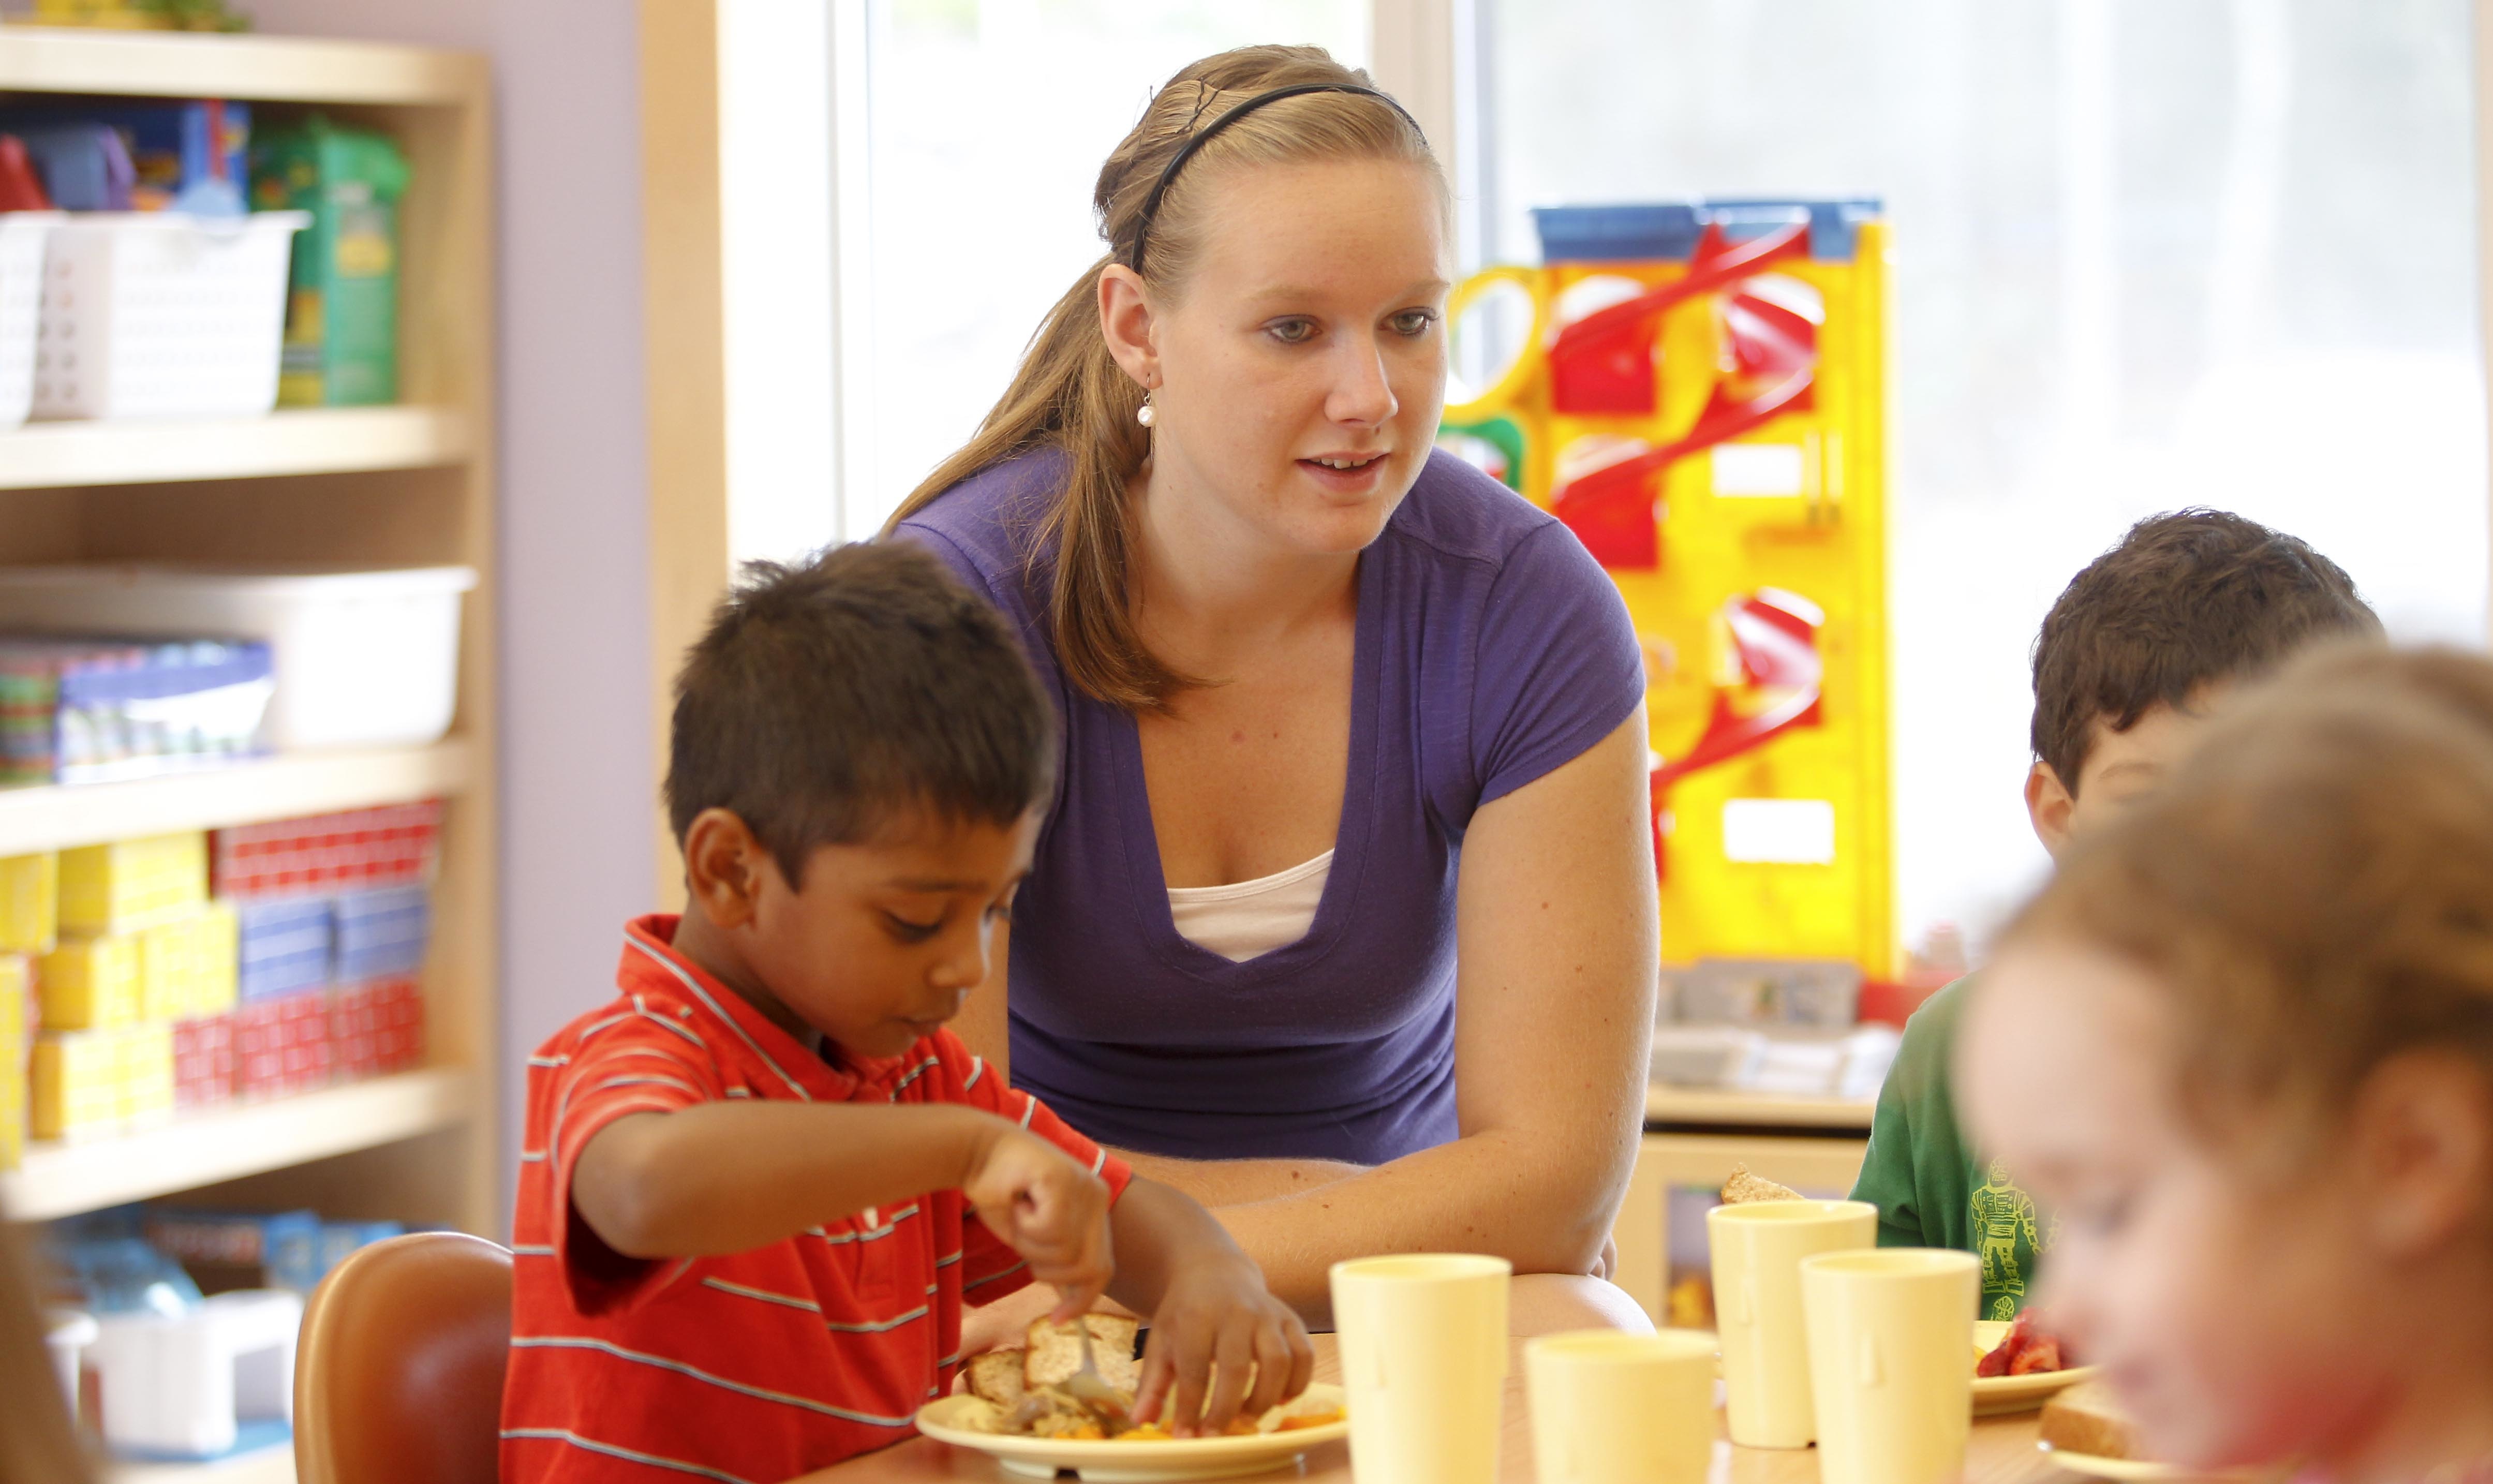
[1069, 394]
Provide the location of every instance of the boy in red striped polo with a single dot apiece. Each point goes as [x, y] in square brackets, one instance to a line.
[757, 1187]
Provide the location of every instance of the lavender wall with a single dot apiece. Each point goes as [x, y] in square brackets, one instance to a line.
[576, 751]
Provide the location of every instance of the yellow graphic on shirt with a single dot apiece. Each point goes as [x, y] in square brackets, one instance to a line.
[2003, 1216]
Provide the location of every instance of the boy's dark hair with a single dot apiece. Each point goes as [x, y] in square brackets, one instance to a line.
[827, 697]
[2185, 598]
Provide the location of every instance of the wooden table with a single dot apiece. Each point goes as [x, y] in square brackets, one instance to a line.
[2001, 1452]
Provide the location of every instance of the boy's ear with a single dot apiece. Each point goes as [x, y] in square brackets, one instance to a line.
[2423, 1138]
[2048, 803]
[722, 868]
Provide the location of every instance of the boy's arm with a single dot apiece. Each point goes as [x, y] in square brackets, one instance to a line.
[727, 1177]
[1210, 1312]
[1886, 1179]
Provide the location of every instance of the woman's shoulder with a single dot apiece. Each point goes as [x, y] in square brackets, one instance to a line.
[987, 524]
[1459, 518]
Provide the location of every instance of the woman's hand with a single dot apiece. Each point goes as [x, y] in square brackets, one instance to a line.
[1216, 1322]
[1052, 1211]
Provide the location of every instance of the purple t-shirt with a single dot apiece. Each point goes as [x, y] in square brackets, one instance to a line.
[1491, 650]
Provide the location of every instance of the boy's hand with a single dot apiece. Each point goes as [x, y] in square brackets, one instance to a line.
[1052, 1211]
[1217, 1319]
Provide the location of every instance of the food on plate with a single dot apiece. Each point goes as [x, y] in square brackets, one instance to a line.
[1054, 1351]
[2087, 1418]
[1024, 1393]
[1026, 1388]
[2026, 1349]
[1744, 1188]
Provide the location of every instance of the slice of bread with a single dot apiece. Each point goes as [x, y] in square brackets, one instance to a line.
[1056, 1353]
[2087, 1418]
[1743, 1188]
[996, 1377]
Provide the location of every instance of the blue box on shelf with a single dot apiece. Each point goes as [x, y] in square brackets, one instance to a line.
[286, 945]
[381, 932]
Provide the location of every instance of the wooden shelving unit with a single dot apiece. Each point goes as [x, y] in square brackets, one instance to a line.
[324, 440]
[395, 486]
[35, 819]
[227, 1143]
[260, 1465]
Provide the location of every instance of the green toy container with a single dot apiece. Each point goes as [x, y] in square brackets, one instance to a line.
[341, 313]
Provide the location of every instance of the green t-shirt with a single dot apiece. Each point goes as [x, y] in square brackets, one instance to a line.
[1931, 1187]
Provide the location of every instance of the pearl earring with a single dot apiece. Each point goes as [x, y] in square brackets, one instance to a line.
[1144, 414]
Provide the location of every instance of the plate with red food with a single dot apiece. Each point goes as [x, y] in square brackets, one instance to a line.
[2020, 1366]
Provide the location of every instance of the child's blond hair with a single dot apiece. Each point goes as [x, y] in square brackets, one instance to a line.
[2312, 892]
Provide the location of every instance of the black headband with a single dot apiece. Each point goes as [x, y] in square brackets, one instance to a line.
[1194, 142]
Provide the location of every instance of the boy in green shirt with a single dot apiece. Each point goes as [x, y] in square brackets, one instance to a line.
[2130, 658]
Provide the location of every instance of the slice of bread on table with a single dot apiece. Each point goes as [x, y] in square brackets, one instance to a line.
[2087, 1418]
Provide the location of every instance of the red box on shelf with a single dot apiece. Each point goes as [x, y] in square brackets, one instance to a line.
[402, 1025]
[203, 1061]
[385, 846]
[283, 1045]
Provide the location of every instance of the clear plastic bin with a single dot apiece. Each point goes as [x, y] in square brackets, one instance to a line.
[22, 235]
[162, 315]
[364, 659]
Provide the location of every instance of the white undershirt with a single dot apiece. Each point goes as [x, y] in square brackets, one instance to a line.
[1251, 917]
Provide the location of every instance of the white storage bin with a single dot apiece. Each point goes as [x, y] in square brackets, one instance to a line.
[67, 1333]
[364, 659]
[22, 235]
[162, 315]
[177, 1386]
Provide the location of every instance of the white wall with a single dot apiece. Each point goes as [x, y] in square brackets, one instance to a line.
[576, 751]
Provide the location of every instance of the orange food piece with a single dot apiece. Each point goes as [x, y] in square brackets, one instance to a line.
[1149, 1432]
[1311, 1419]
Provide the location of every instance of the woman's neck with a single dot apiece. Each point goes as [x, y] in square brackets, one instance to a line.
[1213, 588]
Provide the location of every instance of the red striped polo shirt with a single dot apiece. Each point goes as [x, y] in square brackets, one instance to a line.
[754, 1368]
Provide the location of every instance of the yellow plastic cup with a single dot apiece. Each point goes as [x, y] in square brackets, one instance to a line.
[1757, 1252]
[1423, 1363]
[1609, 1408]
[1887, 1359]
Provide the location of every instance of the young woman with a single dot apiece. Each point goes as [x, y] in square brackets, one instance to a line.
[1344, 921]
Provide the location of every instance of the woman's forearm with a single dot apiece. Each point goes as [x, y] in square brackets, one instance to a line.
[1238, 1182]
[1498, 1192]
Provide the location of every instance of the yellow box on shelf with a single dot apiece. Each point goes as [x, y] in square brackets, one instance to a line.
[30, 902]
[131, 884]
[16, 981]
[146, 1075]
[187, 967]
[85, 1083]
[91, 982]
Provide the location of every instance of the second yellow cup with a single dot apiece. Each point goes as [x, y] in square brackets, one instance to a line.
[1757, 1252]
[1887, 1348]
[1424, 1362]
[1609, 1408]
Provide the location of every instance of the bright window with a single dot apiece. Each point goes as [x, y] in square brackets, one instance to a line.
[2146, 255]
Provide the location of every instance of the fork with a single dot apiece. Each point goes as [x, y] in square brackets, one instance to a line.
[1092, 1390]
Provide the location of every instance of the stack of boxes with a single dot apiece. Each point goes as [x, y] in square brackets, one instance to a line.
[335, 914]
[128, 990]
[140, 948]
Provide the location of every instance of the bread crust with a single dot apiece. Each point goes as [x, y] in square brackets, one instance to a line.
[2087, 1418]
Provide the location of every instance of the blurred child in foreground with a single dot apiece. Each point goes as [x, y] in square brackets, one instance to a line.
[2243, 1044]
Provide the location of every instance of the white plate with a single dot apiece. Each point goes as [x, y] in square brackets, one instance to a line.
[1998, 1396]
[1130, 1463]
[2131, 1470]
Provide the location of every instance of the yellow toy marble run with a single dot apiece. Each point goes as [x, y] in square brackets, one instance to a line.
[1700, 398]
